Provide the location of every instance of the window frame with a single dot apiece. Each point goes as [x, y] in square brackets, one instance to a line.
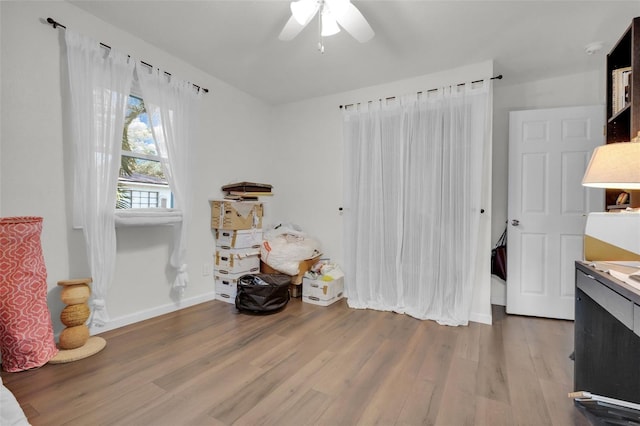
[145, 216]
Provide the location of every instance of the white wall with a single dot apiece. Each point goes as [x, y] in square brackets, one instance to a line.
[308, 138]
[35, 169]
[309, 134]
[572, 90]
[295, 147]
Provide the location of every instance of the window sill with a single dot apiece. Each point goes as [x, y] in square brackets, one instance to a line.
[147, 217]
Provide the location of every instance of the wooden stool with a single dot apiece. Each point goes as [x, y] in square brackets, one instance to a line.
[75, 342]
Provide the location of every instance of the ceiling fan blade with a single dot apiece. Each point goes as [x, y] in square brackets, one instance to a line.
[291, 29]
[304, 10]
[355, 24]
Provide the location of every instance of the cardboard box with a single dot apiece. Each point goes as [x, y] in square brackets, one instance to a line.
[303, 267]
[227, 287]
[295, 290]
[239, 238]
[228, 214]
[235, 261]
[320, 292]
[612, 237]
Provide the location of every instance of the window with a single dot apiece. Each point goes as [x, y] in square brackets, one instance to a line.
[142, 199]
[141, 184]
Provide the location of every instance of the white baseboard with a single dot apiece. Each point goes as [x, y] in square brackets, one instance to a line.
[481, 318]
[185, 303]
[498, 291]
[152, 313]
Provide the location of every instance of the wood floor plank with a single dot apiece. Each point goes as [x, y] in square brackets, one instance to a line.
[98, 411]
[525, 394]
[95, 386]
[555, 395]
[291, 395]
[491, 382]
[329, 330]
[212, 365]
[248, 396]
[551, 365]
[422, 404]
[350, 359]
[468, 341]
[193, 404]
[306, 410]
[390, 397]
[458, 406]
[348, 406]
[432, 376]
[172, 410]
[493, 412]
[442, 344]
[222, 350]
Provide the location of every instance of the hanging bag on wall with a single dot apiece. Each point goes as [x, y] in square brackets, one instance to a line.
[499, 257]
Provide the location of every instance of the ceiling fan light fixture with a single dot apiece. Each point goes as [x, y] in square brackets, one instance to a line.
[304, 10]
[329, 24]
[338, 8]
[333, 16]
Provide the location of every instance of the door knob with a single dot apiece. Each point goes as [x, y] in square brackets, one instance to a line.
[515, 222]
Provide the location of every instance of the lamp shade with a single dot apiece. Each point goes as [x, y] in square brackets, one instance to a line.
[615, 165]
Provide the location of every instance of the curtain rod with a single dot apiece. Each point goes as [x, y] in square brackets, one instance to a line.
[497, 77]
[55, 24]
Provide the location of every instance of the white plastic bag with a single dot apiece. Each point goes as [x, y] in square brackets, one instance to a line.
[285, 245]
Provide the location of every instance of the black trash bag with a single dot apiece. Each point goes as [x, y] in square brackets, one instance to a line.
[263, 292]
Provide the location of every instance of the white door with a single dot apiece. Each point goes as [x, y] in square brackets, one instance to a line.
[549, 151]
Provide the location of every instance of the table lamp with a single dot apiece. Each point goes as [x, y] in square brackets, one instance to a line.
[616, 165]
[614, 236]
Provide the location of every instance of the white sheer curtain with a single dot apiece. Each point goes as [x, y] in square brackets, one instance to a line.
[173, 107]
[413, 191]
[100, 82]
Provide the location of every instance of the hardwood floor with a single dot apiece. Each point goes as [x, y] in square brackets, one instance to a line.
[210, 365]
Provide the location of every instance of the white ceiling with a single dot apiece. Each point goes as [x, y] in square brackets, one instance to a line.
[237, 41]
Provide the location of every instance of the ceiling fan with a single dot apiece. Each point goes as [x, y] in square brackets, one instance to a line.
[330, 14]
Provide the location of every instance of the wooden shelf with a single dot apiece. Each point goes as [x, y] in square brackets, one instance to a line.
[626, 53]
[621, 115]
[624, 124]
[618, 206]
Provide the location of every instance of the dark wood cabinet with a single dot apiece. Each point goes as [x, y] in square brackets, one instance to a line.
[607, 336]
[623, 110]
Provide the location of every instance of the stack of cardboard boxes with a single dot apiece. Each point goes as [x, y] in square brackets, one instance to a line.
[238, 233]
